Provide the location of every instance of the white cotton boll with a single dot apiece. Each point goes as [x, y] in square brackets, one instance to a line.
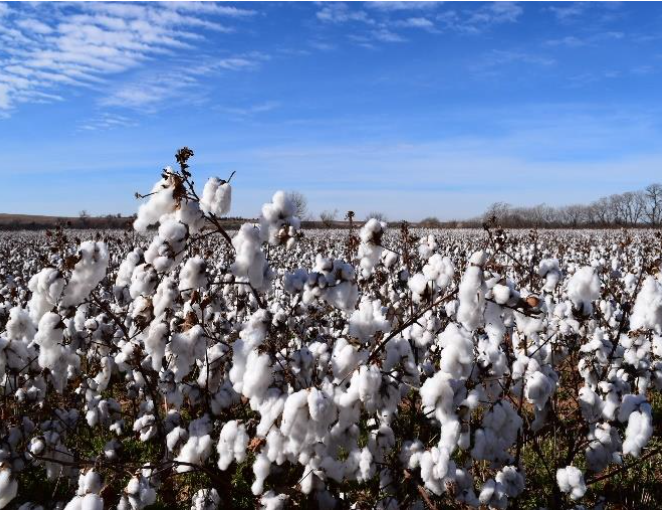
[91, 502]
[538, 389]
[8, 486]
[175, 437]
[206, 499]
[345, 359]
[143, 281]
[584, 288]
[471, 293]
[571, 481]
[167, 248]
[160, 202]
[272, 501]
[512, 481]
[370, 249]
[193, 274]
[250, 264]
[184, 349]
[647, 311]
[216, 197]
[278, 224]
[639, 430]
[165, 296]
[261, 469]
[232, 444]
[20, 326]
[366, 467]
[127, 267]
[46, 287]
[368, 320]
[155, 343]
[549, 270]
[457, 352]
[501, 294]
[437, 397]
[492, 495]
[198, 448]
[439, 270]
[88, 272]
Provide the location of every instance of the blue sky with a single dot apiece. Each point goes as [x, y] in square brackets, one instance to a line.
[413, 109]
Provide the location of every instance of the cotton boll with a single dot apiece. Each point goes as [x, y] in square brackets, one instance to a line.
[8, 486]
[87, 273]
[571, 481]
[370, 249]
[193, 274]
[216, 197]
[143, 281]
[439, 270]
[250, 264]
[278, 223]
[161, 202]
[471, 293]
[584, 288]
[206, 499]
[232, 444]
[368, 320]
[457, 352]
[198, 448]
[46, 287]
[167, 248]
[261, 469]
[272, 501]
[639, 429]
[647, 311]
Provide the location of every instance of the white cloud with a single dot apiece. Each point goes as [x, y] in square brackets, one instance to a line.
[476, 20]
[44, 47]
[403, 6]
[339, 12]
[417, 22]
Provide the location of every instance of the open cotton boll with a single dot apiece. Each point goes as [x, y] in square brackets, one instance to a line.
[8, 486]
[638, 413]
[216, 197]
[647, 311]
[232, 444]
[206, 499]
[471, 293]
[571, 481]
[457, 352]
[278, 225]
[549, 270]
[584, 288]
[88, 272]
[46, 287]
[167, 248]
[193, 274]
[439, 270]
[250, 264]
[272, 501]
[261, 468]
[370, 249]
[368, 320]
[198, 448]
[161, 201]
[143, 281]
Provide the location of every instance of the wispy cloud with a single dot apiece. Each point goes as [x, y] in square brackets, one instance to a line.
[495, 59]
[44, 48]
[475, 21]
[339, 12]
[403, 6]
[106, 121]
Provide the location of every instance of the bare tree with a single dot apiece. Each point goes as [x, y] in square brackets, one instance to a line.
[654, 203]
[376, 215]
[300, 204]
[328, 217]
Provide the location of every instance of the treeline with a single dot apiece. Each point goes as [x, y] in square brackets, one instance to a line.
[642, 208]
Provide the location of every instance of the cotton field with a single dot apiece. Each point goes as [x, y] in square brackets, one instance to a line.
[181, 365]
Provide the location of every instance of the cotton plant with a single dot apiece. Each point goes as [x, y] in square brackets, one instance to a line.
[410, 367]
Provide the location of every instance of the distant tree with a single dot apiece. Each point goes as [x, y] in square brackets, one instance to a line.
[377, 215]
[300, 204]
[83, 214]
[430, 222]
[654, 203]
[328, 217]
